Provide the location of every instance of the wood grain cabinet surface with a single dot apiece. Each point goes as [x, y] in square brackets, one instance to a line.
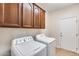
[1, 14]
[36, 16]
[42, 18]
[24, 15]
[11, 14]
[28, 15]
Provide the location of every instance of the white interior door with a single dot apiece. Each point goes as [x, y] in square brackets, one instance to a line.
[68, 33]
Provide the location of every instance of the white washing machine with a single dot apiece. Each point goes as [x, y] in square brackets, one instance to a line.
[50, 42]
[26, 46]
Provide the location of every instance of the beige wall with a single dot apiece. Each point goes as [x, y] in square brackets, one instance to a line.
[55, 16]
[8, 34]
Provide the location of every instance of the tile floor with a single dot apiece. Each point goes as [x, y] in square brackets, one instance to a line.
[62, 52]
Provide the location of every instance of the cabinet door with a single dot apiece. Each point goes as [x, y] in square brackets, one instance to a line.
[1, 14]
[27, 15]
[36, 16]
[11, 14]
[42, 18]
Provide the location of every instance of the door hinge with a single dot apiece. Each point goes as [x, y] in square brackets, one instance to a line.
[76, 21]
[60, 34]
[76, 49]
[76, 35]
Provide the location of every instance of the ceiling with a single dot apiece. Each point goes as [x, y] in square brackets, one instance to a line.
[53, 6]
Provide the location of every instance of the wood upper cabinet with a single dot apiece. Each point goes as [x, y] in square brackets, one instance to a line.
[1, 14]
[28, 15]
[36, 16]
[42, 18]
[12, 14]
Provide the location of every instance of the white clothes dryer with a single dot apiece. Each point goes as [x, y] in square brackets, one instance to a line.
[50, 42]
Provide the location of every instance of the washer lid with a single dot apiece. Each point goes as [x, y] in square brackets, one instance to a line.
[46, 40]
[30, 48]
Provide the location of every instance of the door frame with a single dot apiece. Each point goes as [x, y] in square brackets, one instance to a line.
[76, 32]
